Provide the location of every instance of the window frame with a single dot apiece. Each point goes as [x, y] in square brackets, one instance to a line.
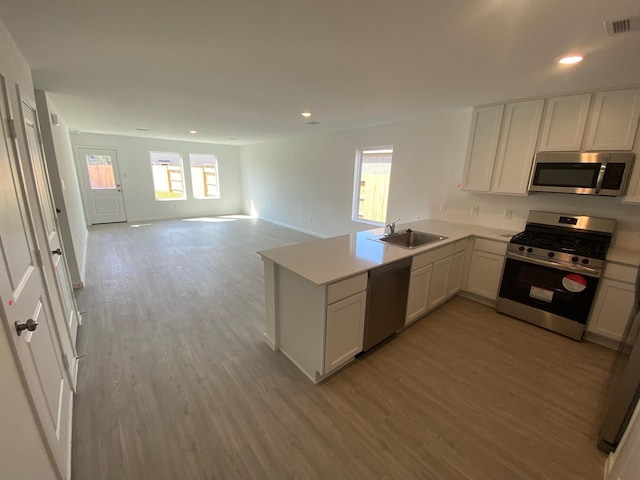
[217, 173]
[355, 208]
[153, 180]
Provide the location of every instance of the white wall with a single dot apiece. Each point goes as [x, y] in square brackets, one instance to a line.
[137, 183]
[64, 186]
[308, 182]
[22, 451]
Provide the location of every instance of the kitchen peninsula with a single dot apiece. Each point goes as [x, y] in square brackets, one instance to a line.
[315, 292]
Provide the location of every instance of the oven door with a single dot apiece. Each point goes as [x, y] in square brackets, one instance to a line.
[560, 290]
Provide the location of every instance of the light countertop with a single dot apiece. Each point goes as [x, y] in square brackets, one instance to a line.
[626, 256]
[328, 260]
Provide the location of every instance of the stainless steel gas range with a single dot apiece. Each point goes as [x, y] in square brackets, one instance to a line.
[552, 270]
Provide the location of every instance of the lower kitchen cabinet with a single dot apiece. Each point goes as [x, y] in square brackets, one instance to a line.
[418, 299]
[319, 327]
[454, 282]
[485, 269]
[439, 281]
[436, 276]
[613, 305]
[344, 331]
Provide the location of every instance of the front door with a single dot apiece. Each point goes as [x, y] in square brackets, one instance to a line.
[24, 303]
[101, 180]
[60, 279]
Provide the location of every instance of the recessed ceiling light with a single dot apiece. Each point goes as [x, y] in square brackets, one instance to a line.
[306, 114]
[570, 59]
[193, 132]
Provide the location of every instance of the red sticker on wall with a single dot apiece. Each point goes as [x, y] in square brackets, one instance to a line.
[574, 283]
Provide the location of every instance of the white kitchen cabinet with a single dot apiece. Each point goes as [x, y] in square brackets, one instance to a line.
[564, 123]
[482, 148]
[613, 120]
[454, 282]
[436, 276]
[633, 191]
[418, 298]
[518, 139]
[439, 280]
[344, 333]
[319, 327]
[613, 305]
[485, 268]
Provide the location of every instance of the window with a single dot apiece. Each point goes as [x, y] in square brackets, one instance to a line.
[371, 190]
[168, 176]
[204, 175]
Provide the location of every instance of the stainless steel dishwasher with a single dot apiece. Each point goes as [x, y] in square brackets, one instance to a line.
[387, 291]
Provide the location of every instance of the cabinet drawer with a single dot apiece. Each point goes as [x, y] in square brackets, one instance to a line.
[490, 246]
[432, 256]
[345, 288]
[623, 273]
[460, 245]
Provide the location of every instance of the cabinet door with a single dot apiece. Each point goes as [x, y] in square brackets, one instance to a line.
[614, 119]
[633, 192]
[485, 271]
[612, 308]
[564, 122]
[418, 298]
[345, 330]
[454, 282]
[482, 148]
[439, 279]
[518, 140]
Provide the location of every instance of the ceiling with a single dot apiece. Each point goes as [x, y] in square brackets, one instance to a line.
[241, 71]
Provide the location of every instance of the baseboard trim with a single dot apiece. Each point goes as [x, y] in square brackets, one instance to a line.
[293, 227]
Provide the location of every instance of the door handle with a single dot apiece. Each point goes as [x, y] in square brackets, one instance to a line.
[30, 325]
[57, 251]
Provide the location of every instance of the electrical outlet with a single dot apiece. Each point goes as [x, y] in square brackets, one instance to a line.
[443, 207]
[507, 214]
[475, 209]
[310, 219]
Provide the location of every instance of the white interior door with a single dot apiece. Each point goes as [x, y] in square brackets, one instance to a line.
[102, 186]
[60, 278]
[24, 303]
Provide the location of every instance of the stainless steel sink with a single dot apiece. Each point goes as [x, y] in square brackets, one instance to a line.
[409, 239]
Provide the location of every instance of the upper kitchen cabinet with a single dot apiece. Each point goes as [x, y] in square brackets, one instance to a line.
[564, 123]
[501, 147]
[518, 138]
[482, 148]
[614, 119]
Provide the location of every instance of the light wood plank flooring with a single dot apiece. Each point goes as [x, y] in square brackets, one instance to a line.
[176, 382]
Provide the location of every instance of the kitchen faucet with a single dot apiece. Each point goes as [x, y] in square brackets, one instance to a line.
[390, 228]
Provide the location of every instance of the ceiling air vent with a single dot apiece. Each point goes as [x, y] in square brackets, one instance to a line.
[616, 27]
[313, 123]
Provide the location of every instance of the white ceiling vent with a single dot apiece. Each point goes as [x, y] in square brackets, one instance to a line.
[616, 27]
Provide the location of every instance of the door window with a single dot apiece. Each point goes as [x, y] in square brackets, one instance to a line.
[100, 168]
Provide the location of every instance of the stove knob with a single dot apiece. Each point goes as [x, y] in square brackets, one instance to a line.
[585, 260]
[574, 259]
[551, 254]
[521, 248]
[529, 250]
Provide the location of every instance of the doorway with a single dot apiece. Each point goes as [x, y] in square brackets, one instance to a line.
[102, 185]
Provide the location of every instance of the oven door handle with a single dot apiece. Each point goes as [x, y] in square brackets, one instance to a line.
[590, 272]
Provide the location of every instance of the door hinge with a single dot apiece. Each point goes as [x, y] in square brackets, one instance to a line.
[65, 361]
[39, 257]
[11, 125]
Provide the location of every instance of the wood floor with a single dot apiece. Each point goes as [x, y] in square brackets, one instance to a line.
[176, 382]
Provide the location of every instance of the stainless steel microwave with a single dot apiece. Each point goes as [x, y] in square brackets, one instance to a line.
[584, 173]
